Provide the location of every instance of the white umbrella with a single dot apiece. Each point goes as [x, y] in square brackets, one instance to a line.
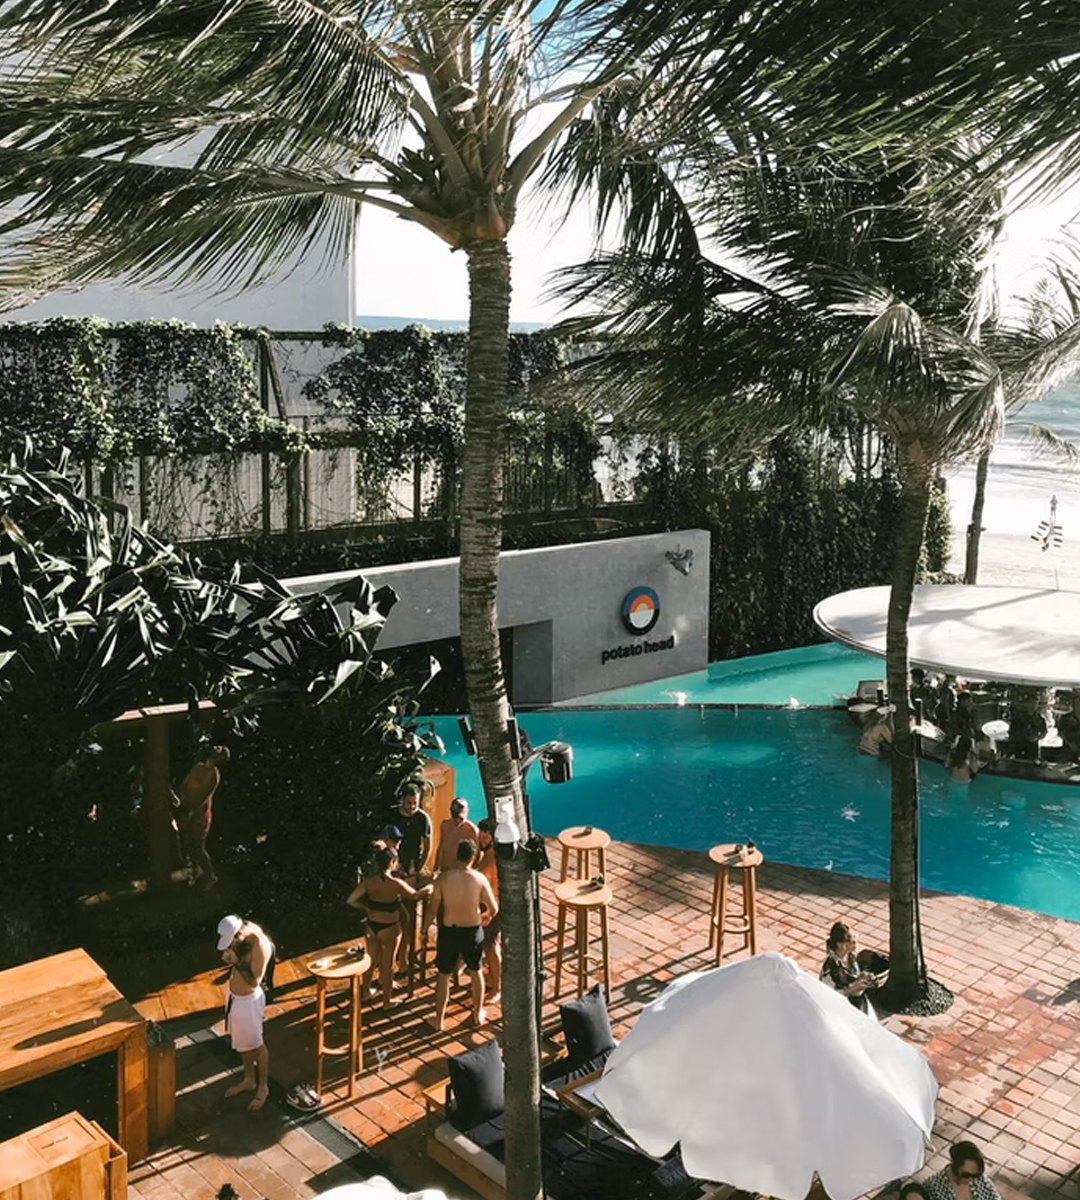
[378, 1188]
[763, 1076]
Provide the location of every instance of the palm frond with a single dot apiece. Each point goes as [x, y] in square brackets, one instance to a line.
[1046, 443]
[181, 223]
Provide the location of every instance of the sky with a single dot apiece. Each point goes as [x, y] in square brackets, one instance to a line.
[405, 271]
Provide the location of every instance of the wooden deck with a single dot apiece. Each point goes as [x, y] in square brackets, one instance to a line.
[1005, 1054]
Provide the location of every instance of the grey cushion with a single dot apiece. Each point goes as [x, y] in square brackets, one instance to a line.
[586, 1027]
[476, 1082]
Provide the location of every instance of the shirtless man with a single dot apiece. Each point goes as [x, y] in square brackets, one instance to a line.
[194, 803]
[486, 865]
[247, 949]
[454, 829]
[463, 904]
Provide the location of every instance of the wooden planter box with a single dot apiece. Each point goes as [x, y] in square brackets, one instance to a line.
[70, 1158]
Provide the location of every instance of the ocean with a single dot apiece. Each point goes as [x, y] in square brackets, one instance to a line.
[1023, 477]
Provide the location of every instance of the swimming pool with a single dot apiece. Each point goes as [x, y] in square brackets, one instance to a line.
[792, 781]
[810, 675]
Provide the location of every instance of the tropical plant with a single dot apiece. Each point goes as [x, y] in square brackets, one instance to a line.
[840, 291]
[295, 115]
[939, 400]
[98, 617]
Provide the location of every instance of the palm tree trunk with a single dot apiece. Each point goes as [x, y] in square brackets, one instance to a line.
[906, 974]
[974, 530]
[481, 539]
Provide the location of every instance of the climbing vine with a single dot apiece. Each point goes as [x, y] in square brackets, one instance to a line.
[145, 387]
[401, 395]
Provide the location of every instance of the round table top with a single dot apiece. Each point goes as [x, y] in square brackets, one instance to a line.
[584, 837]
[725, 856]
[583, 893]
[996, 731]
[338, 963]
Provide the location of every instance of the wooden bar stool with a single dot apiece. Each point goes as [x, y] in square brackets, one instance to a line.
[348, 962]
[584, 839]
[725, 858]
[582, 897]
[415, 927]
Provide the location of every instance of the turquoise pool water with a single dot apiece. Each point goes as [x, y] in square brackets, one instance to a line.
[811, 675]
[793, 782]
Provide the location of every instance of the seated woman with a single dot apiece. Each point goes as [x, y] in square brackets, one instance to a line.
[379, 895]
[842, 972]
[962, 761]
[964, 1178]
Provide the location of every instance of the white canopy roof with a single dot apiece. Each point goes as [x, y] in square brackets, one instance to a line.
[1017, 635]
[763, 1076]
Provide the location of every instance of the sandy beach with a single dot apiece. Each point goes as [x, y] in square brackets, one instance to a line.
[1012, 560]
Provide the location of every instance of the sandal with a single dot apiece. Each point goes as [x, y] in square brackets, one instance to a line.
[304, 1097]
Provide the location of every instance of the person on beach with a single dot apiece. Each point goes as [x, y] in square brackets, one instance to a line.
[379, 896]
[463, 903]
[964, 1178]
[193, 801]
[455, 829]
[248, 951]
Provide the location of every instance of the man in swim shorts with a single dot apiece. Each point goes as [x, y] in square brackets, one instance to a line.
[247, 950]
[463, 904]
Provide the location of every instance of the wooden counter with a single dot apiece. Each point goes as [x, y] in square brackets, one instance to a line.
[60, 1011]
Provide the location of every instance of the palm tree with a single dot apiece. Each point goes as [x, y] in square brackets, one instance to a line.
[290, 117]
[800, 329]
[1035, 356]
[938, 399]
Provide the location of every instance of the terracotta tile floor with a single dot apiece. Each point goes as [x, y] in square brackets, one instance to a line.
[1005, 1054]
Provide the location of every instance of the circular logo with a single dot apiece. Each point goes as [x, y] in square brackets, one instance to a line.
[641, 610]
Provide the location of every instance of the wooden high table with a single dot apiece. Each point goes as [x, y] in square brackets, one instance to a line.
[60, 1011]
[347, 962]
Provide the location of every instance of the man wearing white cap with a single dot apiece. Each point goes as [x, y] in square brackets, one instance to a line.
[247, 950]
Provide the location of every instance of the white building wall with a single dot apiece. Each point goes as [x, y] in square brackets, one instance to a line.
[307, 298]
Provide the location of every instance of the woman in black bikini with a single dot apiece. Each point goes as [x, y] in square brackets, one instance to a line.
[379, 895]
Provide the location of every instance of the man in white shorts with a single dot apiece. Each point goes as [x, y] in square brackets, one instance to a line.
[247, 950]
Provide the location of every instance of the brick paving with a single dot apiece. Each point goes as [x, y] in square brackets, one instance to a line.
[1005, 1054]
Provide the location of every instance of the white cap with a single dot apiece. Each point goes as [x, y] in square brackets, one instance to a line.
[228, 928]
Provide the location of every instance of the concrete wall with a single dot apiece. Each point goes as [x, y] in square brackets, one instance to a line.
[306, 299]
[565, 605]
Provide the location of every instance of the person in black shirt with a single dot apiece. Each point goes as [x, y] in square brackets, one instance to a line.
[415, 826]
